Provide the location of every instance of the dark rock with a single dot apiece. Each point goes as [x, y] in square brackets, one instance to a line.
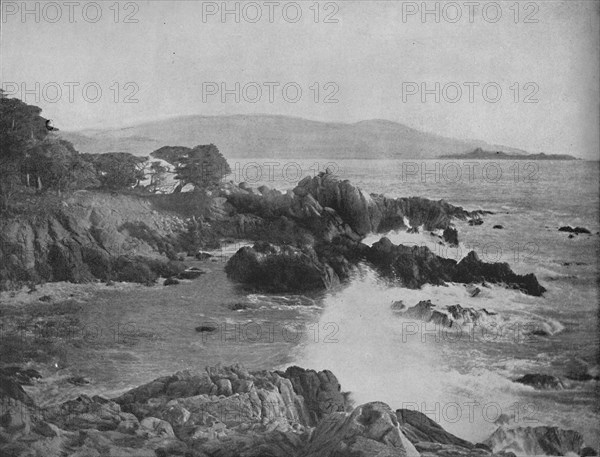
[539, 332]
[190, 274]
[499, 227]
[571, 236]
[23, 376]
[171, 282]
[239, 306]
[475, 291]
[207, 328]
[471, 269]
[45, 298]
[475, 221]
[575, 230]
[9, 388]
[588, 452]
[417, 265]
[134, 270]
[203, 255]
[541, 381]
[280, 269]
[321, 391]
[78, 380]
[450, 235]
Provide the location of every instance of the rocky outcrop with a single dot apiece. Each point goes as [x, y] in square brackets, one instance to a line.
[272, 268]
[89, 236]
[417, 265]
[536, 441]
[375, 213]
[231, 412]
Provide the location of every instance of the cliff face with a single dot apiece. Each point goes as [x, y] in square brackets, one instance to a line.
[84, 238]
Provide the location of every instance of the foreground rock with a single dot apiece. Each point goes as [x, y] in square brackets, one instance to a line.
[536, 441]
[231, 412]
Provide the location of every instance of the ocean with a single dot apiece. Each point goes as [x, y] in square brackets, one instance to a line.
[464, 380]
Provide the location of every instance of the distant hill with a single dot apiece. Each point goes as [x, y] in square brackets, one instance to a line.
[284, 137]
[479, 153]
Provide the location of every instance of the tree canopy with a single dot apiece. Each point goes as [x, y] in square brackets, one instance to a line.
[118, 170]
[203, 166]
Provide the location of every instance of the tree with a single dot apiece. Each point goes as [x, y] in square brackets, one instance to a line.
[55, 164]
[203, 166]
[21, 127]
[158, 176]
[118, 170]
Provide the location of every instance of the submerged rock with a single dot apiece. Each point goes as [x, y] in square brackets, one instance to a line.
[449, 317]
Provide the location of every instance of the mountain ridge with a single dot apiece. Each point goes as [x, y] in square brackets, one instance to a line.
[278, 136]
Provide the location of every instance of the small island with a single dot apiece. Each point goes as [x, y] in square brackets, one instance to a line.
[480, 154]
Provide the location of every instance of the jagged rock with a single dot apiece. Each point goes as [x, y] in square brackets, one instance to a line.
[280, 269]
[423, 311]
[471, 269]
[157, 427]
[450, 236]
[541, 381]
[371, 429]
[9, 388]
[85, 412]
[417, 427]
[321, 391]
[535, 440]
[449, 317]
[355, 207]
[411, 266]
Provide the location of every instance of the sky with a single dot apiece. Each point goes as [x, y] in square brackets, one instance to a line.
[522, 74]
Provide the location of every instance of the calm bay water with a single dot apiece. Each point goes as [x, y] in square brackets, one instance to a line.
[466, 383]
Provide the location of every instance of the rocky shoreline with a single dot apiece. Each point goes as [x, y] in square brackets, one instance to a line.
[307, 239]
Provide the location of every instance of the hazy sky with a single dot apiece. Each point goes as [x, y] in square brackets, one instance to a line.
[375, 58]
